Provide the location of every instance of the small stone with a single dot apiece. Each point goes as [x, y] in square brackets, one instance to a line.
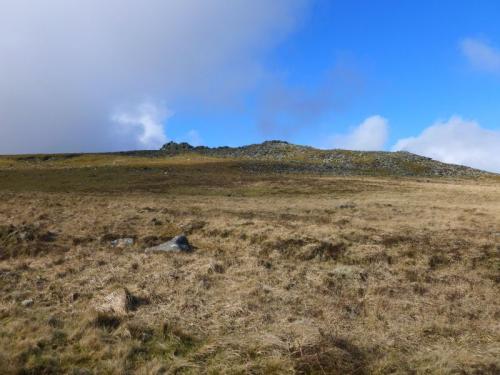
[54, 322]
[176, 245]
[23, 236]
[156, 222]
[122, 242]
[74, 296]
[47, 236]
[27, 302]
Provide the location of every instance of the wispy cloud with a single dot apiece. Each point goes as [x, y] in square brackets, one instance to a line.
[370, 135]
[457, 141]
[481, 55]
[146, 124]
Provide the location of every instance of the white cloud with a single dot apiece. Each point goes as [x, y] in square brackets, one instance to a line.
[65, 65]
[146, 123]
[457, 141]
[370, 135]
[481, 55]
[194, 138]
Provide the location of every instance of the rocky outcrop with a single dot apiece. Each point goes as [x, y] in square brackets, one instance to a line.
[284, 157]
[174, 148]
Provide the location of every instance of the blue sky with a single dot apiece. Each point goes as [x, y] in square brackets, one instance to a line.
[421, 76]
[408, 58]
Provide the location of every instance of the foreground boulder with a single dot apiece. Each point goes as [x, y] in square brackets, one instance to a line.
[117, 303]
[176, 245]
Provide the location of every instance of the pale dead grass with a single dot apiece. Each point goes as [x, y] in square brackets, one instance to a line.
[411, 285]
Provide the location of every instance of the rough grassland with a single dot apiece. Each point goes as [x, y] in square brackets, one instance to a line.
[291, 273]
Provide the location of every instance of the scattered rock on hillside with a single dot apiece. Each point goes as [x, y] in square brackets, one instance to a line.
[27, 302]
[123, 242]
[111, 237]
[177, 244]
[117, 303]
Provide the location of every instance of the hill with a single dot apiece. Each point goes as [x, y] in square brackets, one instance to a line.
[288, 157]
[264, 158]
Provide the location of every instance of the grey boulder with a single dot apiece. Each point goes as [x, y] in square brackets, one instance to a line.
[175, 245]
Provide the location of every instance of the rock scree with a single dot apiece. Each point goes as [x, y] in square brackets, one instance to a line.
[283, 157]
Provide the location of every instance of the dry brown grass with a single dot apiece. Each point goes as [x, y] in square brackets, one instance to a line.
[291, 274]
